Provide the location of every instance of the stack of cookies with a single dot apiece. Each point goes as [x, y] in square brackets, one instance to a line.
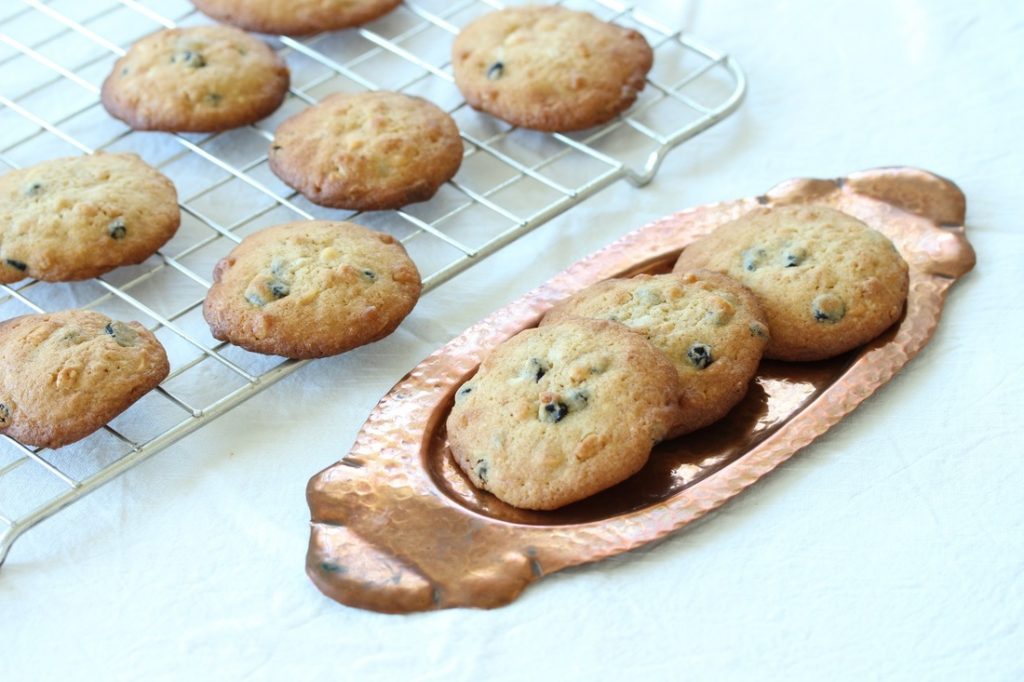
[561, 412]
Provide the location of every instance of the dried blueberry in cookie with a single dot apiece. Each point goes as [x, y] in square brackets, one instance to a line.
[464, 391]
[794, 256]
[189, 58]
[536, 368]
[753, 258]
[117, 229]
[699, 355]
[124, 335]
[553, 412]
[828, 308]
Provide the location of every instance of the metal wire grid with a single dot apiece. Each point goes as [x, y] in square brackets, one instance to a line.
[54, 55]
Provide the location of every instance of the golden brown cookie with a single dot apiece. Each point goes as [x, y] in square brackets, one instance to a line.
[559, 413]
[311, 289]
[367, 151]
[550, 68]
[64, 375]
[196, 79]
[295, 17]
[827, 282]
[710, 327]
[78, 217]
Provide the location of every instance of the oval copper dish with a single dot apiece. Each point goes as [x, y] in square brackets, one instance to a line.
[397, 528]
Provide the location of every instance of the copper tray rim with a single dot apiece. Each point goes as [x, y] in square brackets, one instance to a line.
[935, 203]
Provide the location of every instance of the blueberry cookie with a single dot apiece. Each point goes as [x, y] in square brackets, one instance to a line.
[64, 375]
[295, 17]
[311, 289]
[196, 79]
[827, 282]
[367, 151]
[78, 217]
[550, 68]
[559, 413]
[710, 327]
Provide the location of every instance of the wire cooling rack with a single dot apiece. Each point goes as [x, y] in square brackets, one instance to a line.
[54, 56]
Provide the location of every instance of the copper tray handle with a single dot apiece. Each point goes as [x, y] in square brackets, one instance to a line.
[397, 528]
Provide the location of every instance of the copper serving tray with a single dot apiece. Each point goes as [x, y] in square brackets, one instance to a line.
[397, 528]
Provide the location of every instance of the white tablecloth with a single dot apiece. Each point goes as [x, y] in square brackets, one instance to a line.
[892, 548]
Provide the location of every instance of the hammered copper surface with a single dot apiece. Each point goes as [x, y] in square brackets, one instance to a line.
[397, 528]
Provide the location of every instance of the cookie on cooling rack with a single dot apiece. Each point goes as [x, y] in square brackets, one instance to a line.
[827, 282]
[64, 375]
[311, 289]
[367, 151]
[196, 79]
[710, 326]
[550, 68]
[296, 17]
[558, 413]
[78, 217]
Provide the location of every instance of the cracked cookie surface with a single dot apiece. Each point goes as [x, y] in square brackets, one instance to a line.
[64, 375]
[311, 289]
[558, 413]
[710, 327]
[78, 217]
[367, 151]
[550, 68]
[196, 79]
[827, 282]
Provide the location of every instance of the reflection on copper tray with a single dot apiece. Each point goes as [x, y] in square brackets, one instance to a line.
[396, 527]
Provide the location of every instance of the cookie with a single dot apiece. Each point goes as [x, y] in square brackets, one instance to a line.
[295, 17]
[311, 289]
[558, 413]
[367, 151]
[196, 79]
[827, 282]
[710, 327]
[550, 68]
[64, 375]
[78, 217]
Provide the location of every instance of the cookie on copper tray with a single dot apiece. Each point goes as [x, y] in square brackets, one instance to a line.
[64, 375]
[710, 327]
[78, 217]
[295, 17]
[196, 79]
[367, 151]
[550, 68]
[311, 289]
[558, 413]
[827, 282]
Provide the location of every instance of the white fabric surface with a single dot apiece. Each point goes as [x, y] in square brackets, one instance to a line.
[892, 548]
